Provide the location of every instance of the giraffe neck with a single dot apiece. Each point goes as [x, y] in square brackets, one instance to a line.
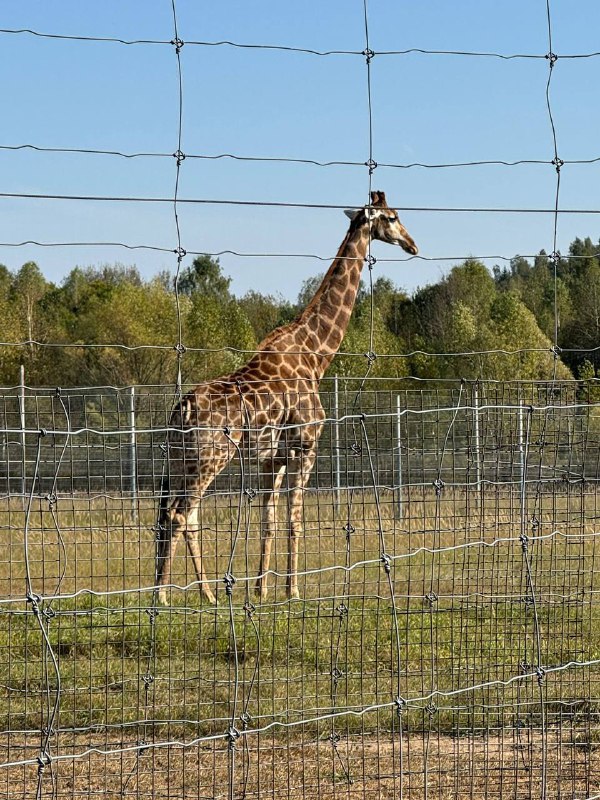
[327, 315]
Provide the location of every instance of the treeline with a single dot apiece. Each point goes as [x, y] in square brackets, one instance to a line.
[431, 334]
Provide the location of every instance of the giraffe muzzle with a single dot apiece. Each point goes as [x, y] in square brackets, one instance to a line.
[408, 245]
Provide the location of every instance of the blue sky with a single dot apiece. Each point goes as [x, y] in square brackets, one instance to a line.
[425, 108]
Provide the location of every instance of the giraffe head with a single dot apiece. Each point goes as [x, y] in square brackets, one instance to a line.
[383, 223]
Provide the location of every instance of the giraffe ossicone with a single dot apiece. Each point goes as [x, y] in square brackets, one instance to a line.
[270, 408]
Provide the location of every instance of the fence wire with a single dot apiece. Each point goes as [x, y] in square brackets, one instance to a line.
[445, 640]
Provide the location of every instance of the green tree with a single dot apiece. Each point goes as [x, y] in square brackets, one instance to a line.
[222, 330]
[27, 289]
[353, 360]
[582, 275]
[206, 277]
[265, 312]
[468, 312]
[133, 328]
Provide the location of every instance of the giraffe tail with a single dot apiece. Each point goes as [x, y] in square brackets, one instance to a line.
[162, 526]
[179, 417]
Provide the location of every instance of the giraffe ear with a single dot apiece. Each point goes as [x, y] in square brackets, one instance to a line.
[351, 213]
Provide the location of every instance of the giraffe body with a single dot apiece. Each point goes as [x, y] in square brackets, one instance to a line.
[269, 407]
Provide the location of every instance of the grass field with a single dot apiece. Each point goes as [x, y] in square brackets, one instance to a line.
[469, 609]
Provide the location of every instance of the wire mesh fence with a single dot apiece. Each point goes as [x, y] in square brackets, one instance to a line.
[445, 641]
[445, 638]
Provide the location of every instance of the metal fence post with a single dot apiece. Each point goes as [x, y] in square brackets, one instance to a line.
[336, 443]
[477, 444]
[23, 437]
[521, 447]
[133, 453]
[399, 505]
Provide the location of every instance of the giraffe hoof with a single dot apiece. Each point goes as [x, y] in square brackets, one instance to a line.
[261, 592]
[209, 597]
[162, 597]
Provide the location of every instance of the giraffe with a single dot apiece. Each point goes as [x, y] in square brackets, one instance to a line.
[270, 407]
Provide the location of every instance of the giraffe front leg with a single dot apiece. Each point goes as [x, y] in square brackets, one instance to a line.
[268, 528]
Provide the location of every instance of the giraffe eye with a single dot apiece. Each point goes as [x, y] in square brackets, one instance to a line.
[391, 219]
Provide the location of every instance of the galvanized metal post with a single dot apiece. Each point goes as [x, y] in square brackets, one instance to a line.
[477, 444]
[23, 437]
[336, 444]
[133, 453]
[521, 448]
[400, 505]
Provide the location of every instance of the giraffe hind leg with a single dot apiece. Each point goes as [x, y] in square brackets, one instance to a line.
[179, 512]
[169, 536]
[191, 537]
[183, 521]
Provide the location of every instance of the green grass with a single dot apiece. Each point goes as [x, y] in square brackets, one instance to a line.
[119, 665]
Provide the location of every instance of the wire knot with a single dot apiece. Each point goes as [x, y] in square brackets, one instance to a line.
[245, 719]
[552, 58]
[179, 157]
[371, 357]
[229, 580]
[349, 529]
[431, 709]
[51, 499]
[535, 524]
[35, 600]
[334, 739]
[180, 348]
[43, 760]
[372, 165]
[524, 539]
[556, 350]
[232, 736]
[249, 608]
[368, 54]
[180, 253]
[49, 613]
[400, 704]
[386, 560]
[356, 449]
[371, 261]
[42, 432]
[554, 257]
[558, 163]
[178, 44]
[250, 494]
[431, 598]
[342, 610]
[148, 679]
[540, 673]
[438, 485]
[336, 674]
[157, 530]
[152, 614]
